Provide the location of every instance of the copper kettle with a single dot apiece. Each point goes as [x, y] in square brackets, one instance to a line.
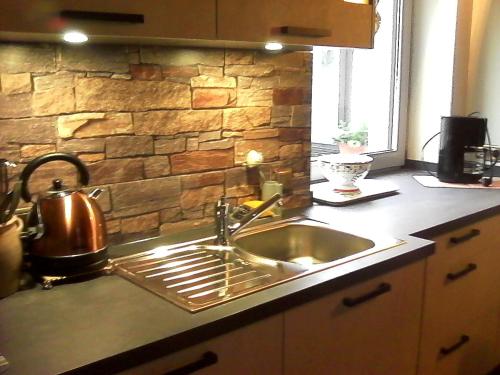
[68, 222]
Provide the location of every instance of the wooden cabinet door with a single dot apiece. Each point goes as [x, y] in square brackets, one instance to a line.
[461, 308]
[377, 336]
[193, 19]
[313, 22]
[255, 349]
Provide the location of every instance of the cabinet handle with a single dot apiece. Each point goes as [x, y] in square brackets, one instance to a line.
[308, 32]
[463, 340]
[381, 289]
[473, 233]
[207, 359]
[102, 16]
[457, 275]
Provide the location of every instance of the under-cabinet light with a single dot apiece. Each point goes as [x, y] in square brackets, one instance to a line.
[75, 37]
[273, 46]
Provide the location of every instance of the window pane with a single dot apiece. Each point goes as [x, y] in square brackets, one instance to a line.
[371, 96]
[354, 91]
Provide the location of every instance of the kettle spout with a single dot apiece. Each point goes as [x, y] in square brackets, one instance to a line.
[94, 194]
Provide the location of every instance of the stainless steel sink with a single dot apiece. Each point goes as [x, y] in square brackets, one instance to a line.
[304, 242]
[198, 275]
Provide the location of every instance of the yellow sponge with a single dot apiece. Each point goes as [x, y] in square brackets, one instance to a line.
[254, 204]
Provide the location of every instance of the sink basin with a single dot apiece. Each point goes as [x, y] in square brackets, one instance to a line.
[308, 243]
[302, 243]
[197, 275]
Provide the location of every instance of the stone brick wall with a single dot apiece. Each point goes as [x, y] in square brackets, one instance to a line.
[163, 130]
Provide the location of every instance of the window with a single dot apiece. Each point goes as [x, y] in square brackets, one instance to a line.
[360, 96]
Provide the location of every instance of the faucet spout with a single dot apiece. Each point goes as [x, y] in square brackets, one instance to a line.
[224, 231]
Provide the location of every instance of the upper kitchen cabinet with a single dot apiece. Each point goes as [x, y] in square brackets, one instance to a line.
[110, 20]
[314, 22]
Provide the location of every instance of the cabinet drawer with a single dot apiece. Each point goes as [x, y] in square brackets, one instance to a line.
[255, 349]
[166, 18]
[375, 332]
[462, 304]
[315, 22]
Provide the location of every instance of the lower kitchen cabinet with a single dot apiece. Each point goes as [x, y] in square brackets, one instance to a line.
[368, 329]
[254, 349]
[461, 313]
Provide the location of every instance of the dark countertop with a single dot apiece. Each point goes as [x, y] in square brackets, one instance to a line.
[110, 324]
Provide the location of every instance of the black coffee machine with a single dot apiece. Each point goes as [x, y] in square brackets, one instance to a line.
[462, 149]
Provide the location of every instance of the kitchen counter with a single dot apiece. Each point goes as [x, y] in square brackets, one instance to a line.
[108, 324]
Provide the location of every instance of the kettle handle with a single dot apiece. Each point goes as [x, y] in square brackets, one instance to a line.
[83, 173]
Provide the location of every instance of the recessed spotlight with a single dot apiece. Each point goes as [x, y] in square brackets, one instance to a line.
[75, 37]
[273, 46]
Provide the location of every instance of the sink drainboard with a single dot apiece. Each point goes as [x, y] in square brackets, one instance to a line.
[196, 276]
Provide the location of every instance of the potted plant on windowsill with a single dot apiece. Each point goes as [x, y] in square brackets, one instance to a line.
[352, 140]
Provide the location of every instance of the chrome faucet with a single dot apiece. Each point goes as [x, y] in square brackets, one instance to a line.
[224, 230]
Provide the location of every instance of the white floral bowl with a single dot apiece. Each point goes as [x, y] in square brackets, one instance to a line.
[343, 170]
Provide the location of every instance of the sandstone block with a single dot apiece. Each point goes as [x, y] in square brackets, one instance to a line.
[289, 96]
[209, 136]
[54, 81]
[146, 72]
[214, 98]
[140, 223]
[174, 122]
[215, 71]
[15, 83]
[123, 76]
[53, 102]
[254, 98]
[193, 198]
[245, 118]
[217, 145]
[198, 161]
[15, 106]
[94, 124]
[180, 72]
[82, 145]
[291, 151]
[113, 226]
[281, 60]
[9, 152]
[170, 146]
[301, 115]
[22, 58]
[191, 144]
[281, 115]
[94, 58]
[194, 181]
[265, 83]
[230, 134]
[156, 166]
[181, 56]
[117, 147]
[169, 215]
[244, 82]
[239, 57]
[248, 70]
[29, 152]
[240, 191]
[184, 225]
[294, 79]
[28, 131]
[101, 94]
[193, 213]
[92, 158]
[160, 193]
[115, 170]
[213, 81]
[238, 176]
[269, 148]
[260, 133]
[294, 134]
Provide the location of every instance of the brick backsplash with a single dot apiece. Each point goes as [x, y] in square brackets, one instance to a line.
[163, 130]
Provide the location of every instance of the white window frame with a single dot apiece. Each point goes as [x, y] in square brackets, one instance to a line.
[397, 154]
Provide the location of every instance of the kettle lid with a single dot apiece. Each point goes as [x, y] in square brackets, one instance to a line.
[57, 190]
